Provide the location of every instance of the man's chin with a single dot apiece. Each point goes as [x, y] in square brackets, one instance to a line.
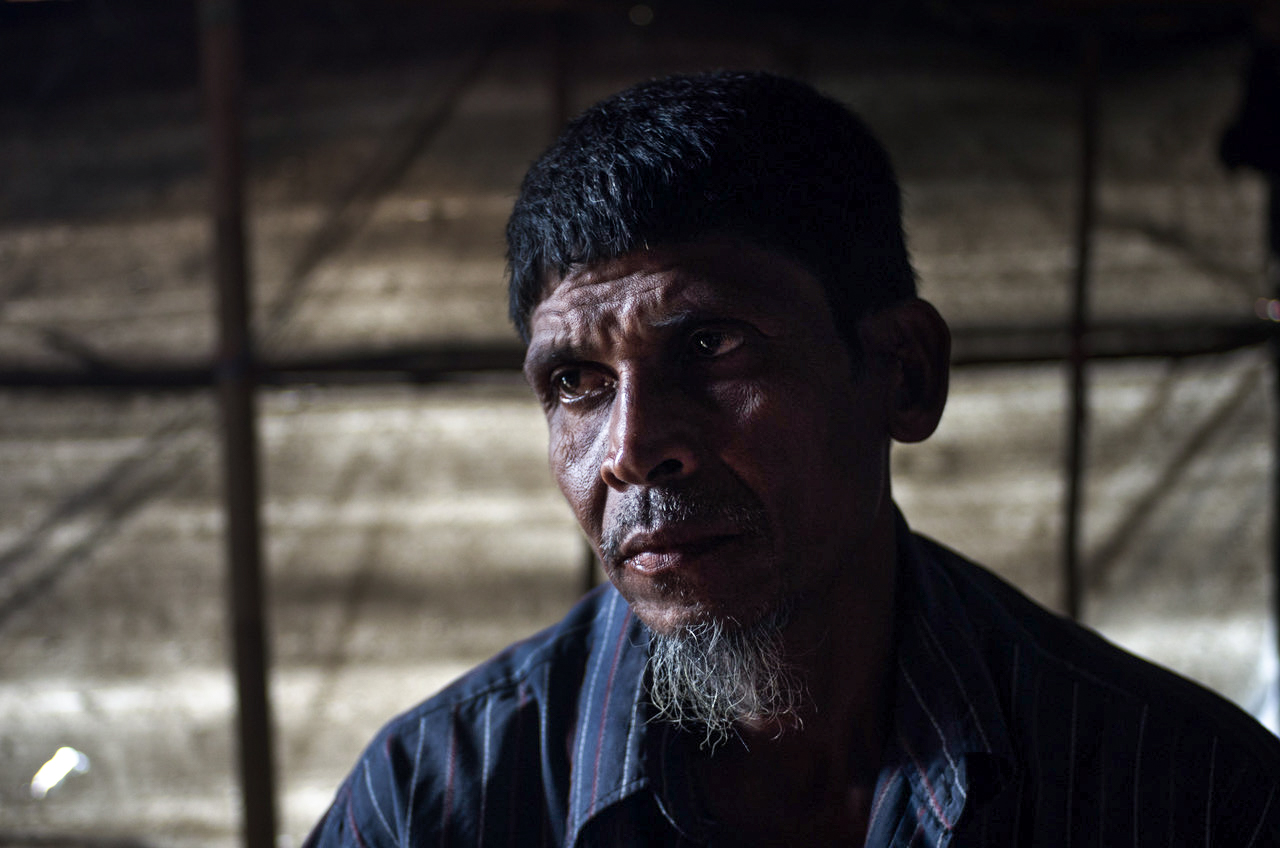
[674, 618]
[711, 674]
[668, 603]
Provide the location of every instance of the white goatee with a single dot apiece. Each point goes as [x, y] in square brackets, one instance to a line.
[707, 677]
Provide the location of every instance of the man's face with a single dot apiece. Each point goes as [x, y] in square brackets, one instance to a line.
[708, 429]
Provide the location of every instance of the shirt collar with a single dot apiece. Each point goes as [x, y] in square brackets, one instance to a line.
[607, 743]
[617, 751]
[946, 710]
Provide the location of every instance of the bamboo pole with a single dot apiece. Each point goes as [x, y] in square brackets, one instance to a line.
[235, 378]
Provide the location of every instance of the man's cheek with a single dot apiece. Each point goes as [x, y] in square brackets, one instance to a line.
[577, 473]
[745, 401]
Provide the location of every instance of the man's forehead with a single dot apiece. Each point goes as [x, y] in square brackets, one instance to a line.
[604, 300]
[615, 282]
[586, 312]
[664, 283]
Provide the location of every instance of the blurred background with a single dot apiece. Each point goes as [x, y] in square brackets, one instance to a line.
[410, 528]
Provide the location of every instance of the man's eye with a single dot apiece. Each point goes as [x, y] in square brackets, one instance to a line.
[708, 344]
[575, 383]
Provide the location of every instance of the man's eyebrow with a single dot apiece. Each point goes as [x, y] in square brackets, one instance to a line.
[685, 322]
[684, 318]
[556, 351]
[553, 352]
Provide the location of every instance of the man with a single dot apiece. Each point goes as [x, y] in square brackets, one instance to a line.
[723, 332]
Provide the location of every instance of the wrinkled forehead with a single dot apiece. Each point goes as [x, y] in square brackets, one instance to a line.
[598, 298]
[710, 277]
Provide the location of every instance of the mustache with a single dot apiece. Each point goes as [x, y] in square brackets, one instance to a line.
[651, 508]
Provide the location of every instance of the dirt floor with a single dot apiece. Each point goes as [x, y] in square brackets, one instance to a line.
[413, 530]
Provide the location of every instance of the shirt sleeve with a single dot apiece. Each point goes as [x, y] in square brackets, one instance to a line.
[360, 815]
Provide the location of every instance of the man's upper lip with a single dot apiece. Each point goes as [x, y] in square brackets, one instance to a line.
[670, 538]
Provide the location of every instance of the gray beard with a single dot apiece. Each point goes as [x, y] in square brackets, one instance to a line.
[707, 677]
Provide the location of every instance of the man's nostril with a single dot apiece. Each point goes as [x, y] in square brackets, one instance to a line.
[667, 468]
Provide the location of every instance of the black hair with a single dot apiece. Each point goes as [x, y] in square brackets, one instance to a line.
[753, 155]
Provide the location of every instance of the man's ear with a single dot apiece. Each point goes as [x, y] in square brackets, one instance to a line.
[912, 342]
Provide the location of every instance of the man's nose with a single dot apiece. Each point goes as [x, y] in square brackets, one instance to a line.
[653, 436]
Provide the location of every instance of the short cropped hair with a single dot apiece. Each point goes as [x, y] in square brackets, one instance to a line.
[753, 155]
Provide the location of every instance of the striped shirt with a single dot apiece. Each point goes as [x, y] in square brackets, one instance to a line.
[1012, 727]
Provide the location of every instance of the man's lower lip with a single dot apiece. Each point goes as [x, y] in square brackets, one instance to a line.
[649, 562]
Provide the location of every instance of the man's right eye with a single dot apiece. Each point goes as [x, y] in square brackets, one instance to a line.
[571, 384]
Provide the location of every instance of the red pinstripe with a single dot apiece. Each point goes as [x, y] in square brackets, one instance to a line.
[448, 785]
[604, 708]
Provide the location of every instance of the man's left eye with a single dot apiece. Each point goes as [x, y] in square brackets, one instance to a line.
[708, 344]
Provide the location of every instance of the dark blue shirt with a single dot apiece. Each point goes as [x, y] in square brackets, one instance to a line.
[1012, 727]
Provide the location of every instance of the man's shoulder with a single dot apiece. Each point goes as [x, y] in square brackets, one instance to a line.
[500, 731]
[1084, 737]
[530, 670]
[1042, 663]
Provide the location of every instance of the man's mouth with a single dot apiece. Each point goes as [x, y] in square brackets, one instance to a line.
[672, 546]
